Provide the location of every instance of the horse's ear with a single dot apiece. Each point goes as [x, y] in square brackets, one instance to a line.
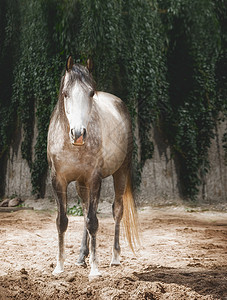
[69, 63]
[90, 65]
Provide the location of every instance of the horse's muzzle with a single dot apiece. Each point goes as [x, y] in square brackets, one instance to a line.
[78, 137]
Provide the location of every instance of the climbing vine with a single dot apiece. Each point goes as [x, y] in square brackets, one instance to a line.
[145, 69]
[165, 58]
[193, 52]
[9, 21]
[34, 85]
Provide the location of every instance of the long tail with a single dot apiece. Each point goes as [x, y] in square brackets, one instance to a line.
[130, 218]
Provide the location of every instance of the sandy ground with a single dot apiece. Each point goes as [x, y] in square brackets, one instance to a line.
[183, 256]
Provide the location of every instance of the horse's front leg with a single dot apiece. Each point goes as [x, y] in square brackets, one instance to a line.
[60, 189]
[92, 224]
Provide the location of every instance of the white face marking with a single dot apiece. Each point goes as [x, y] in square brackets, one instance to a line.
[77, 105]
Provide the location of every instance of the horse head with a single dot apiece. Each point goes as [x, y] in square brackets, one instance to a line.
[77, 93]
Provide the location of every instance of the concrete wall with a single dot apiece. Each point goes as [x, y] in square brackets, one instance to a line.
[215, 183]
[160, 176]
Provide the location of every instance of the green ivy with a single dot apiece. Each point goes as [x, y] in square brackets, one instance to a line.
[9, 22]
[193, 51]
[76, 210]
[36, 84]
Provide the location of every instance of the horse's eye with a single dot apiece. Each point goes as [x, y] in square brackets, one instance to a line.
[65, 94]
[91, 94]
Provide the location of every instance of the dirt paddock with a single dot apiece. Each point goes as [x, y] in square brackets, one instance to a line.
[183, 255]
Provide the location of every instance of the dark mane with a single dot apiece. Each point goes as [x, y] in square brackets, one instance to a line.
[81, 74]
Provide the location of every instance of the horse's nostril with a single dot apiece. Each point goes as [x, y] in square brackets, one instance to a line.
[75, 134]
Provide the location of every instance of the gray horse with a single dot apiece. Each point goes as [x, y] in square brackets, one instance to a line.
[90, 138]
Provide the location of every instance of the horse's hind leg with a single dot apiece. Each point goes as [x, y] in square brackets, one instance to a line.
[120, 180]
[84, 249]
[60, 188]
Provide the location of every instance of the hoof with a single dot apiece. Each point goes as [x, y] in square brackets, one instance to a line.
[94, 275]
[81, 264]
[57, 271]
[115, 263]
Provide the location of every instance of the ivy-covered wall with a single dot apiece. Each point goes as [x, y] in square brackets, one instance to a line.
[165, 58]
